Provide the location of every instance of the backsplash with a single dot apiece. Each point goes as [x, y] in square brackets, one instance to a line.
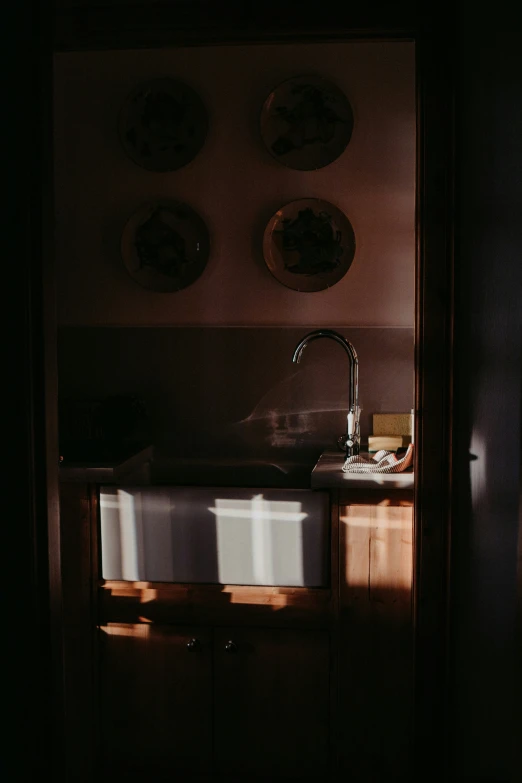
[217, 392]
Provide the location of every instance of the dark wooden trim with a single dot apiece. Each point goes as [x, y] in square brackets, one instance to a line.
[94, 498]
[94, 554]
[206, 604]
[273, 596]
[376, 497]
[433, 406]
[35, 715]
[78, 630]
[47, 337]
[204, 22]
[517, 756]
[334, 634]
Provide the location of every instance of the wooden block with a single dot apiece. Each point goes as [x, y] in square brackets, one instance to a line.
[392, 424]
[388, 442]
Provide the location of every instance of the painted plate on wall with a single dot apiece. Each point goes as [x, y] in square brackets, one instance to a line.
[309, 245]
[306, 123]
[163, 125]
[165, 246]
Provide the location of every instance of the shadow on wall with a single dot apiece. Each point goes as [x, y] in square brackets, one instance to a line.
[212, 392]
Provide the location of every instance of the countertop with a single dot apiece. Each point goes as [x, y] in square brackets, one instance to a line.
[104, 463]
[328, 474]
[228, 472]
[133, 463]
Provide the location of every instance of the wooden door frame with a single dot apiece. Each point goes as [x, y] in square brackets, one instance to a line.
[197, 23]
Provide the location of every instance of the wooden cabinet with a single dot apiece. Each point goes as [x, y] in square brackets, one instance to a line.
[251, 704]
[155, 701]
[317, 684]
[271, 703]
[375, 637]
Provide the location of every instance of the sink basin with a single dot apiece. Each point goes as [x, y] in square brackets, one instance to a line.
[276, 537]
[230, 473]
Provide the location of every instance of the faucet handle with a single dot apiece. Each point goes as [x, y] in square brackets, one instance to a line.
[349, 445]
[341, 442]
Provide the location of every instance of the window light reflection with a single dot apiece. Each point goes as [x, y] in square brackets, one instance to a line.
[272, 532]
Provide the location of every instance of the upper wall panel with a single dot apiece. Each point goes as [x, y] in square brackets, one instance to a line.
[236, 186]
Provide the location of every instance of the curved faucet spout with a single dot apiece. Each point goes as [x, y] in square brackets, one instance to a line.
[350, 350]
[353, 392]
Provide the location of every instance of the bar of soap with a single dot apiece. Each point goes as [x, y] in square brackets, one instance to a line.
[388, 442]
[392, 424]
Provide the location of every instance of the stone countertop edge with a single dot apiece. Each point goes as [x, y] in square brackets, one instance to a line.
[328, 474]
[106, 471]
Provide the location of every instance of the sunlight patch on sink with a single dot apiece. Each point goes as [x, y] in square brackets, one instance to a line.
[264, 518]
[277, 537]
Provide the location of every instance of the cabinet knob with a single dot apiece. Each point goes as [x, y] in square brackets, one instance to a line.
[193, 645]
[231, 648]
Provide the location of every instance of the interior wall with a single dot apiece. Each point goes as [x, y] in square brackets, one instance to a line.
[236, 186]
[217, 392]
[233, 389]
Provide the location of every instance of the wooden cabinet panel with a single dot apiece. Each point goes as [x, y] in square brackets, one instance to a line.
[271, 704]
[77, 513]
[299, 703]
[375, 640]
[155, 701]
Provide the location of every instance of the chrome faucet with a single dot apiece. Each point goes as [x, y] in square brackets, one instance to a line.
[350, 443]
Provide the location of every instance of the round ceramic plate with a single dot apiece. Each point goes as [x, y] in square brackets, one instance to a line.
[165, 246]
[163, 125]
[309, 245]
[306, 123]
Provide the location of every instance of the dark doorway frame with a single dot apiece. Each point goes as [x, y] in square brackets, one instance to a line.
[200, 23]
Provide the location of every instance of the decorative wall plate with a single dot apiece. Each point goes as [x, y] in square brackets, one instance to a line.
[165, 246]
[162, 124]
[306, 122]
[309, 245]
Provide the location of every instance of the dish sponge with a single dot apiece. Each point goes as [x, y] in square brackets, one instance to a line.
[392, 424]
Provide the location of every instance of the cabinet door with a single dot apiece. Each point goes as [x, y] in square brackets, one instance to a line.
[155, 701]
[271, 705]
[375, 638]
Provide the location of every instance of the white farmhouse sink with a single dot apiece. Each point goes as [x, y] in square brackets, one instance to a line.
[223, 535]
